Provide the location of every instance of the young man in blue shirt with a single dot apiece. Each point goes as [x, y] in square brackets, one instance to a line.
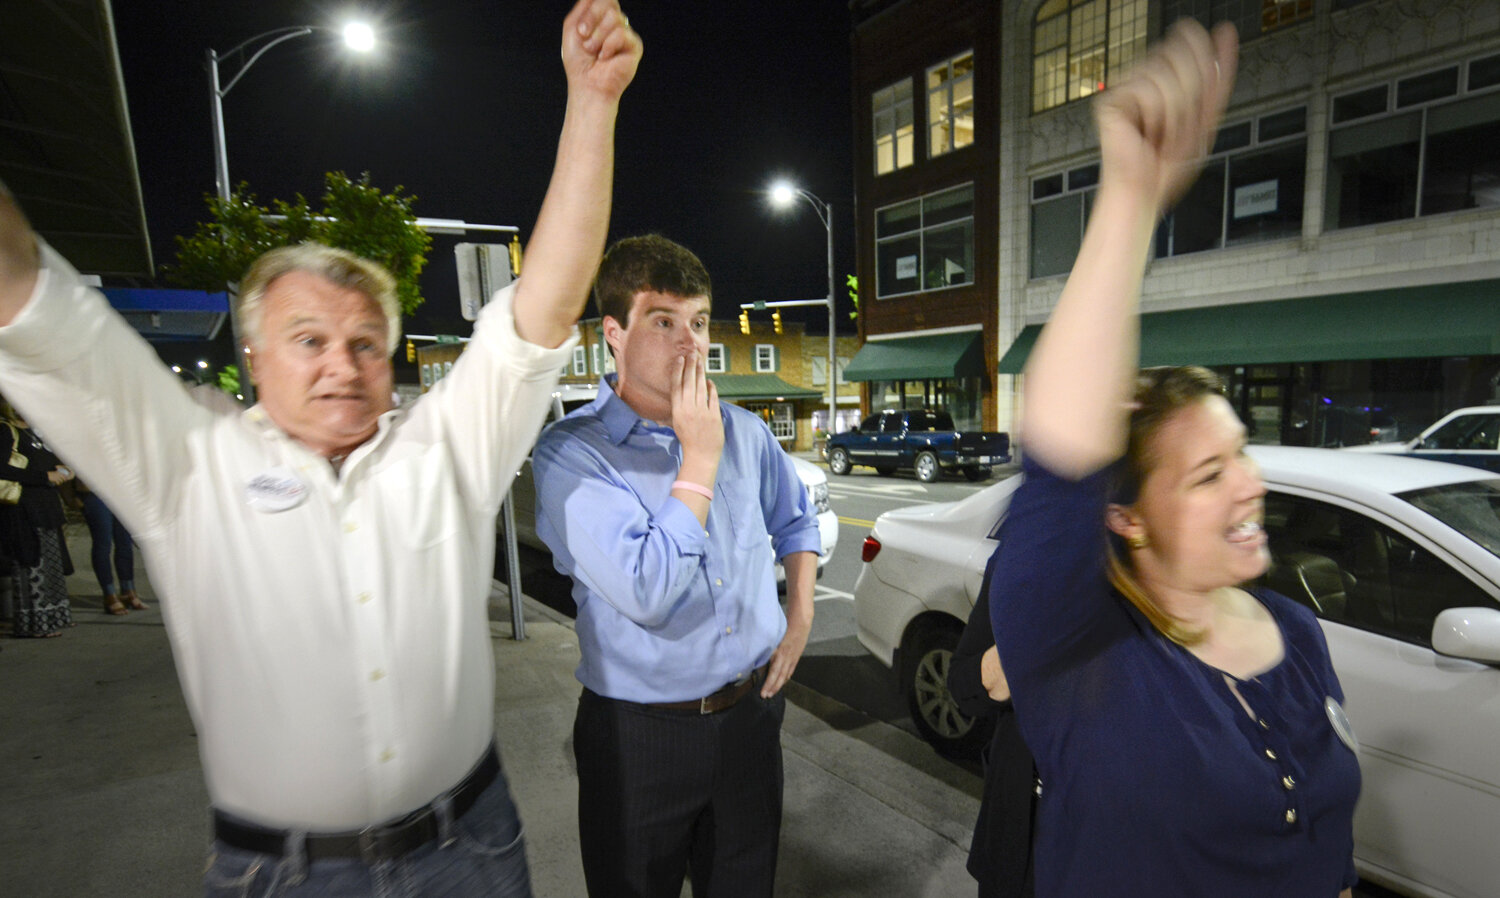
[665, 507]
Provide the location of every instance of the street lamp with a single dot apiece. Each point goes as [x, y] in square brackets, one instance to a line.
[783, 195]
[357, 36]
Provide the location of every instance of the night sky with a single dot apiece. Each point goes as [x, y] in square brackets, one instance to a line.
[462, 104]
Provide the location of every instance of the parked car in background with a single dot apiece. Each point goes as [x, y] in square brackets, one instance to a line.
[919, 439]
[568, 397]
[1466, 436]
[1400, 560]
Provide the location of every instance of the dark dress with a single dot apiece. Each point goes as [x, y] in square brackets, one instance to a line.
[1155, 779]
[32, 533]
[1000, 855]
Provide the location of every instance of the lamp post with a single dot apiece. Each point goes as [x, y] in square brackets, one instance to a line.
[784, 195]
[357, 36]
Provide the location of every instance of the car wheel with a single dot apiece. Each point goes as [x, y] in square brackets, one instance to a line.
[884, 470]
[924, 679]
[838, 461]
[928, 469]
[976, 473]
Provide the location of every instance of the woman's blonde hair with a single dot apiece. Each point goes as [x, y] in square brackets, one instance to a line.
[337, 266]
[1160, 393]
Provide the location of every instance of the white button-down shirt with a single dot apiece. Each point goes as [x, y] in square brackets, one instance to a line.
[335, 654]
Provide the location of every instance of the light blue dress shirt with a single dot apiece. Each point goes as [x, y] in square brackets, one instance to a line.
[667, 610]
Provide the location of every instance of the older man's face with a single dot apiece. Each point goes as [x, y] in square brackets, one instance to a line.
[320, 364]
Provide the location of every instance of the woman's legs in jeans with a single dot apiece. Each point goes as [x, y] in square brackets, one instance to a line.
[101, 533]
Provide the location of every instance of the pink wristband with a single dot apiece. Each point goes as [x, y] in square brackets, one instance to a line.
[698, 488]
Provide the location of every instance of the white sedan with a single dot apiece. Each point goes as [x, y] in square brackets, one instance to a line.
[1399, 558]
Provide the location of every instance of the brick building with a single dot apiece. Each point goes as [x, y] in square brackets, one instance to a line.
[1340, 253]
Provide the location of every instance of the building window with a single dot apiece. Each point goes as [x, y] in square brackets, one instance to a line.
[426, 374]
[1060, 206]
[925, 243]
[950, 105]
[895, 126]
[1421, 145]
[718, 360]
[1250, 189]
[765, 358]
[1251, 18]
[820, 370]
[1079, 46]
[778, 417]
[580, 361]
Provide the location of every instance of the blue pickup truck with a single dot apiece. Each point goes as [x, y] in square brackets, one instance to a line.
[919, 439]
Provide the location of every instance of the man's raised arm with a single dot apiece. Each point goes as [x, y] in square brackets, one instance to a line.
[19, 259]
[600, 54]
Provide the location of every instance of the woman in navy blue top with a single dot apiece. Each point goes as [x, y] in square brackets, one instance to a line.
[1187, 732]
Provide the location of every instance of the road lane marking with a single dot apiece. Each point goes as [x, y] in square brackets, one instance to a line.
[828, 592]
[856, 522]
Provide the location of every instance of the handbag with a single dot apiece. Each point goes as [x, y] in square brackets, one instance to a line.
[10, 490]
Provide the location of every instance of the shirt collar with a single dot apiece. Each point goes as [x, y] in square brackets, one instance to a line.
[619, 419]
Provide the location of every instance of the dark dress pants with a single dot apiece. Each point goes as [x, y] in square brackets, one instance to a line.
[662, 792]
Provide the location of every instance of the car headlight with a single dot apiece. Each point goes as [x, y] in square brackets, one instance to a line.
[818, 492]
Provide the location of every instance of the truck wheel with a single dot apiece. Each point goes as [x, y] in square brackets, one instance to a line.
[925, 658]
[928, 470]
[838, 460]
[976, 473]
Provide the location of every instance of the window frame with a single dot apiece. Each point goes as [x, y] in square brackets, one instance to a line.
[894, 134]
[921, 232]
[763, 366]
[942, 107]
[1121, 41]
[723, 360]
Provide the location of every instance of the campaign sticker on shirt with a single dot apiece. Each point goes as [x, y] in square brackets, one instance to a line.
[1340, 721]
[277, 489]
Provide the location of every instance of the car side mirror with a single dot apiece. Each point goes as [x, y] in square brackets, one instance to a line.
[1471, 633]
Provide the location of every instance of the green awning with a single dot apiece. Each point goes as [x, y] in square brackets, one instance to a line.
[919, 358]
[1408, 322]
[759, 386]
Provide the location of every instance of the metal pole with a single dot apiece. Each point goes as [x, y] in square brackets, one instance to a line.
[513, 570]
[221, 183]
[833, 380]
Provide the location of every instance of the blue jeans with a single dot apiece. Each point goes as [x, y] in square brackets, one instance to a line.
[483, 853]
[106, 532]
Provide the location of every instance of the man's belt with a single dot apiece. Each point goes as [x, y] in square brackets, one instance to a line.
[383, 841]
[722, 700]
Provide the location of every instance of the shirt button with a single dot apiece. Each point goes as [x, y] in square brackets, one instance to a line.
[1289, 783]
[387, 756]
[364, 598]
[1263, 724]
[1291, 815]
[718, 581]
[350, 526]
[1270, 754]
[728, 630]
[376, 675]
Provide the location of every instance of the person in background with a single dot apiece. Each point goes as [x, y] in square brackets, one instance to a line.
[109, 537]
[32, 531]
[665, 507]
[1188, 731]
[1000, 853]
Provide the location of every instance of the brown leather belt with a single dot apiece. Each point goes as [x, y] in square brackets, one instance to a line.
[722, 700]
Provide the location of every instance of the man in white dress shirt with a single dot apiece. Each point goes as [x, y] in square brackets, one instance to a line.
[324, 560]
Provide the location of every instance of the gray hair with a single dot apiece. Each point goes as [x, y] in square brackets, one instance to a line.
[337, 266]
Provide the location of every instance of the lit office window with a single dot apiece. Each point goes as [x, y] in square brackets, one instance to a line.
[895, 130]
[950, 104]
[1079, 46]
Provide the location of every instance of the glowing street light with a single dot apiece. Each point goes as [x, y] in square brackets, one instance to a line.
[783, 195]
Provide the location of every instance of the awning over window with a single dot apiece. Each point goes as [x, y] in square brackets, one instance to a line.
[919, 358]
[740, 387]
[161, 315]
[1407, 322]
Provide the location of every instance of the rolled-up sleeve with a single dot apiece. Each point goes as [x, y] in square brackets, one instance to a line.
[790, 517]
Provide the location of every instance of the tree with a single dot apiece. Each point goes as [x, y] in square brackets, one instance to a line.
[356, 216]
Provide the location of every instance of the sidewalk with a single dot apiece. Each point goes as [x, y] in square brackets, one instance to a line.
[101, 792]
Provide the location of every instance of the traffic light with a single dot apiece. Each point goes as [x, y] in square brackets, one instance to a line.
[411, 351]
[745, 322]
[776, 320]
